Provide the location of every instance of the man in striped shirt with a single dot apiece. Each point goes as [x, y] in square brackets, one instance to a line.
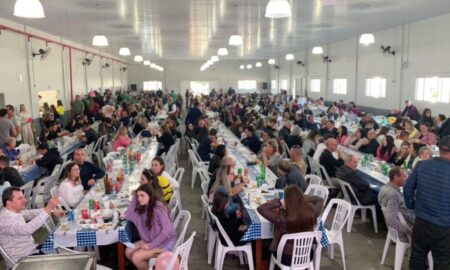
[427, 190]
[15, 232]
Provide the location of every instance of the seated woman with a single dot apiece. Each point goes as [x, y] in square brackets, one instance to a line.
[229, 216]
[9, 149]
[426, 136]
[295, 138]
[219, 154]
[410, 161]
[139, 125]
[413, 132]
[296, 213]
[71, 189]
[226, 177]
[343, 134]
[387, 149]
[423, 154]
[122, 139]
[148, 178]
[151, 219]
[166, 182]
[399, 158]
[165, 139]
[311, 142]
[190, 131]
[270, 155]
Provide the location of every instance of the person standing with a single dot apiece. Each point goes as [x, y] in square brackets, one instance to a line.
[25, 121]
[426, 191]
[78, 105]
[7, 129]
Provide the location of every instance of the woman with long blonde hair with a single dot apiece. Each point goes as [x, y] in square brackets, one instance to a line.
[121, 139]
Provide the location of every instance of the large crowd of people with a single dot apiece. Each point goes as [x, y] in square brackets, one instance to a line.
[281, 130]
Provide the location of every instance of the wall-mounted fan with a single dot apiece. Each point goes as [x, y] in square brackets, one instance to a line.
[87, 61]
[105, 65]
[42, 53]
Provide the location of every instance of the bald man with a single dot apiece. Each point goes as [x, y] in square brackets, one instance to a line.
[329, 161]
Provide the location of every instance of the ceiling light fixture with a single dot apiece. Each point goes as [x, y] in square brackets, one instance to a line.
[210, 62]
[258, 64]
[235, 40]
[138, 58]
[317, 50]
[147, 63]
[249, 66]
[278, 9]
[289, 57]
[367, 39]
[215, 58]
[124, 51]
[31, 9]
[222, 52]
[153, 65]
[100, 41]
[241, 66]
[271, 62]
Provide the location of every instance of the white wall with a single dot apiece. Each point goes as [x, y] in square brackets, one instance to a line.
[177, 74]
[423, 45]
[21, 75]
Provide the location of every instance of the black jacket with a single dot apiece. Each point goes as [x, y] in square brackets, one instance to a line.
[13, 177]
[360, 187]
[370, 148]
[330, 163]
[193, 115]
[50, 160]
[294, 177]
[167, 141]
[254, 143]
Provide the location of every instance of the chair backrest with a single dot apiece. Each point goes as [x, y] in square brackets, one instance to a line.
[181, 224]
[203, 173]
[312, 179]
[182, 252]
[393, 233]
[324, 175]
[9, 262]
[349, 194]
[56, 170]
[220, 228]
[302, 245]
[179, 175]
[194, 159]
[318, 190]
[174, 207]
[314, 166]
[285, 150]
[205, 188]
[340, 215]
[27, 189]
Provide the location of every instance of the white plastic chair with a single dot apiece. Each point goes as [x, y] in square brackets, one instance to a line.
[318, 190]
[222, 250]
[400, 247]
[312, 179]
[179, 175]
[27, 190]
[9, 262]
[182, 252]
[301, 250]
[64, 250]
[348, 192]
[174, 208]
[196, 166]
[41, 193]
[210, 234]
[56, 170]
[334, 234]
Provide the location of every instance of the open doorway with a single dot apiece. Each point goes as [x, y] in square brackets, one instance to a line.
[47, 96]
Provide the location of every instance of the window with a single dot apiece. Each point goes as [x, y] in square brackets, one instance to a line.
[284, 85]
[315, 85]
[200, 88]
[376, 87]
[273, 85]
[152, 85]
[340, 86]
[433, 89]
[247, 85]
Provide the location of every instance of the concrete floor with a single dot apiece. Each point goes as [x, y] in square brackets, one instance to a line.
[363, 248]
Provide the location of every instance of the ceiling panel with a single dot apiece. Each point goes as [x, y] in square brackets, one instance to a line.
[193, 29]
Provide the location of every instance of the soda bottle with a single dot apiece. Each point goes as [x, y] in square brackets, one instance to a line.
[262, 174]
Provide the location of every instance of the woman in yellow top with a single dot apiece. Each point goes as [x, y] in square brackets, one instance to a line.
[166, 182]
[413, 132]
[60, 108]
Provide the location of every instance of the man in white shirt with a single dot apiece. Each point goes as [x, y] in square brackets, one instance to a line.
[15, 232]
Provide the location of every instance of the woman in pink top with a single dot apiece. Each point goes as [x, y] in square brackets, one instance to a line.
[343, 134]
[122, 139]
[387, 149]
[426, 136]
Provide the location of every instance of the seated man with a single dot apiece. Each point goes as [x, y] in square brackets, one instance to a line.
[347, 173]
[88, 171]
[392, 200]
[372, 144]
[15, 232]
[252, 141]
[284, 132]
[90, 135]
[11, 174]
[50, 158]
[291, 176]
[327, 159]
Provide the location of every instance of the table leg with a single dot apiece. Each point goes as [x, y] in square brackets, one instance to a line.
[121, 256]
[258, 256]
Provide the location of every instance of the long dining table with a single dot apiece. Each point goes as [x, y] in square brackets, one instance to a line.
[258, 228]
[84, 231]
